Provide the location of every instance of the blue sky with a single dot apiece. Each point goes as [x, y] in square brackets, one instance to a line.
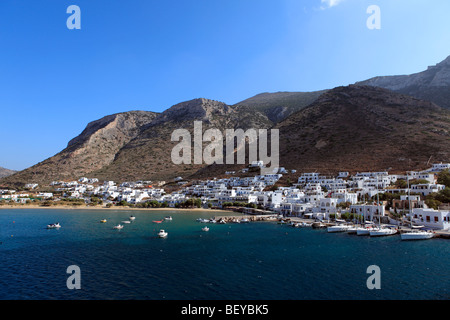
[150, 55]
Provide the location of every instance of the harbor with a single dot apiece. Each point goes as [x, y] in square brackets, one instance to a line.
[350, 228]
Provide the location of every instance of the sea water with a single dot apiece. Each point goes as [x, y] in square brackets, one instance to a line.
[252, 261]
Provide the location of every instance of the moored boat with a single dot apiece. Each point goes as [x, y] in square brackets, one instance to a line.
[382, 231]
[119, 226]
[417, 235]
[162, 233]
[338, 228]
[53, 226]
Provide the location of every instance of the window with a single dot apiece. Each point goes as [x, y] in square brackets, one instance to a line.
[436, 219]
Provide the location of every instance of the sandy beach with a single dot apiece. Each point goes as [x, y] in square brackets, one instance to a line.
[67, 207]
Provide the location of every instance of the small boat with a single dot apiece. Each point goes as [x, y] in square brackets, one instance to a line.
[212, 220]
[338, 228]
[203, 220]
[156, 221]
[126, 221]
[169, 218]
[53, 226]
[245, 220]
[103, 221]
[205, 229]
[382, 231]
[417, 235]
[119, 226]
[132, 218]
[318, 225]
[222, 221]
[162, 233]
[365, 230]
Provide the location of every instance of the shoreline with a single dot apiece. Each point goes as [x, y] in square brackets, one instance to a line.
[111, 208]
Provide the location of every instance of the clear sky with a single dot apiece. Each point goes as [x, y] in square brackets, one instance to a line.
[150, 55]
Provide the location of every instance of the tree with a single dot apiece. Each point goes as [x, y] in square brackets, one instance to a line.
[444, 178]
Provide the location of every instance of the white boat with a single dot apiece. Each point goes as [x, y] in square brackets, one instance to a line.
[126, 221]
[53, 226]
[338, 228]
[352, 230]
[222, 221]
[168, 218]
[132, 218]
[202, 220]
[417, 235]
[162, 233]
[363, 231]
[382, 231]
[245, 220]
[119, 226]
[205, 229]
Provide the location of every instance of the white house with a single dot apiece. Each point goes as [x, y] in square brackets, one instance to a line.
[435, 219]
[437, 167]
[371, 212]
[426, 188]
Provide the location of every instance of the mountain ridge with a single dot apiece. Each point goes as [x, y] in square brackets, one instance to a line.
[136, 145]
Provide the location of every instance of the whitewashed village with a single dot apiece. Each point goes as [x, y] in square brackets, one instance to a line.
[367, 197]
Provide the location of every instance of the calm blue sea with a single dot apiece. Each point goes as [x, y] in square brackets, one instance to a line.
[255, 261]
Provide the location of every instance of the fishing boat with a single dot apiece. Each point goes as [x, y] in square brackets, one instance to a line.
[103, 221]
[169, 218]
[162, 233]
[53, 226]
[158, 221]
[132, 218]
[205, 229]
[119, 226]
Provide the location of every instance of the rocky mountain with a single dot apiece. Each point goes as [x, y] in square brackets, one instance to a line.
[279, 105]
[432, 84]
[137, 145]
[93, 149]
[5, 172]
[148, 156]
[355, 128]
[363, 128]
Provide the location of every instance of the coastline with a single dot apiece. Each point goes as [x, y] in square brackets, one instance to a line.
[65, 207]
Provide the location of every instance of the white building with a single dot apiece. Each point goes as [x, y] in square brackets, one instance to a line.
[371, 212]
[435, 219]
[437, 167]
[426, 188]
